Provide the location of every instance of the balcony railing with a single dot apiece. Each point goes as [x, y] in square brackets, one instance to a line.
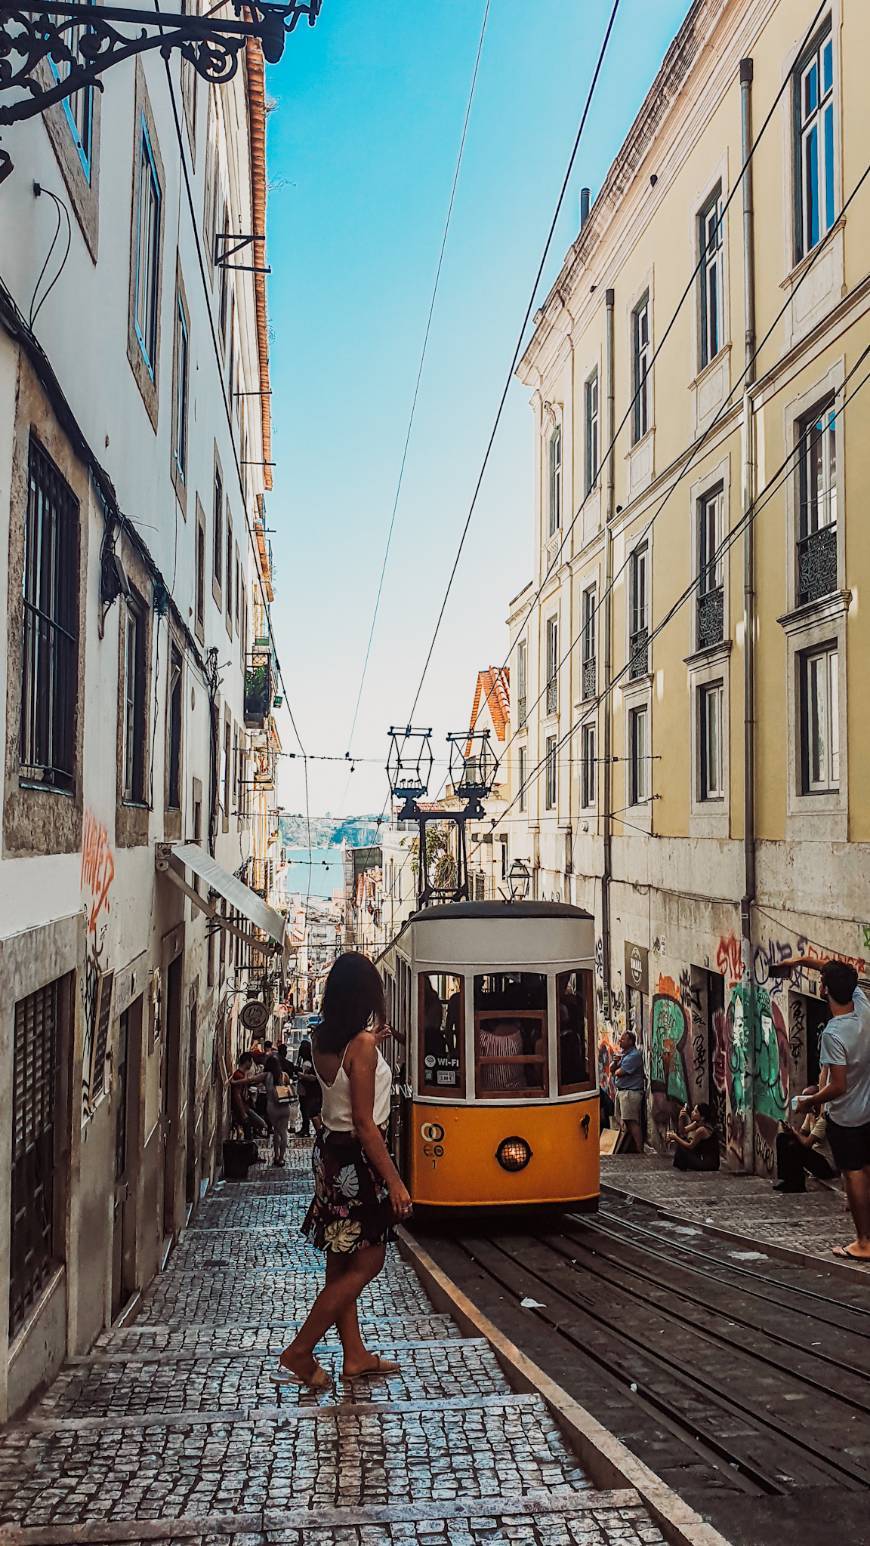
[638, 654]
[521, 710]
[590, 677]
[552, 695]
[817, 564]
[711, 618]
[258, 690]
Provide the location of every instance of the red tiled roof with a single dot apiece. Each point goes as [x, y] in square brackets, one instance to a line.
[493, 691]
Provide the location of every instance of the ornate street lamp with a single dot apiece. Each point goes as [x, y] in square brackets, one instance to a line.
[473, 766]
[409, 767]
[518, 880]
[89, 39]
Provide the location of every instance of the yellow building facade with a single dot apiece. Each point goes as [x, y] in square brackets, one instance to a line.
[688, 663]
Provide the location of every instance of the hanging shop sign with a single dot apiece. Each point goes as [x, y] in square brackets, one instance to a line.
[254, 1015]
[636, 967]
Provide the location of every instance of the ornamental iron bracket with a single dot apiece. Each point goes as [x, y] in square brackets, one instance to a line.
[52, 49]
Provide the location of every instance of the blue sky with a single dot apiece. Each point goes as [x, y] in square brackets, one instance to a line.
[363, 136]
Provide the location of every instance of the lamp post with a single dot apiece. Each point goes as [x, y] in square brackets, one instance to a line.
[36, 39]
[473, 766]
[518, 880]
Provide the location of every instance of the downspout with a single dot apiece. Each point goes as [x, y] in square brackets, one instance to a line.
[749, 614]
[607, 621]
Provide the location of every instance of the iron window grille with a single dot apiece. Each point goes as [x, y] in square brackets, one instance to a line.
[710, 705]
[710, 277]
[817, 498]
[134, 703]
[591, 404]
[710, 607]
[555, 511]
[551, 770]
[640, 325]
[815, 187]
[552, 693]
[588, 661]
[35, 1067]
[820, 727]
[49, 686]
[147, 281]
[638, 634]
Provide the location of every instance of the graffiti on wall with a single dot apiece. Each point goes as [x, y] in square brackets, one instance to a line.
[729, 959]
[97, 875]
[669, 1032]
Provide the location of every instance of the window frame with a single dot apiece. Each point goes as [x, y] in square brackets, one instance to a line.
[810, 786]
[641, 371]
[638, 761]
[711, 258]
[84, 148]
[522, 792]
[711, 789]
[175, 729]
[37, 1178]
[50, 726]
[524, 1060]
[592, 428]
[181, 391]
[551, 635]
[568, 1087]
[133, 745]
[638, 609]
[522, 682]
[551, 778]
[588, 766]
[147, 162]
[819, 121]
[427, 1090]
[217, 528]
[554, 465]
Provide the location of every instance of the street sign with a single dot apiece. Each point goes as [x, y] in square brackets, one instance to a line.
[636, 967]
[254, 1015]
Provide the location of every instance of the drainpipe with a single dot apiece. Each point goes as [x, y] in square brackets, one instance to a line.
[748, 497]
[607, 781]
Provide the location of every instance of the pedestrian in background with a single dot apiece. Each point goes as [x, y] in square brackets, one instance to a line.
[844, 1085]
[629, 1081]
[696, 1146]
[307, 1089]
[358, 1190]
[244, 1080]
[803, 1151]
[279, 1099]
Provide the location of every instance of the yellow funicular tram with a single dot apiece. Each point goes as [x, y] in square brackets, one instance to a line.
[494, 1055]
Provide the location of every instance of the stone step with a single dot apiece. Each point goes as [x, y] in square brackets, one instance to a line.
[156, 1386]
[315, 1457]
[203, 1339]
[558, 1517]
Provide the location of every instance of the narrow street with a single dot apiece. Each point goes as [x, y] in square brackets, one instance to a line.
[169, 1429]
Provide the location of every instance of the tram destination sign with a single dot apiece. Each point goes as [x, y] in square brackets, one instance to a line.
[636, 967]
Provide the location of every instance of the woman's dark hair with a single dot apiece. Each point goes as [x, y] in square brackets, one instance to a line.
[354, 995]
[272, 1066]
[706, 1111]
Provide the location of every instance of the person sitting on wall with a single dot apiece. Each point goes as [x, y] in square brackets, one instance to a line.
[804, 1151]
[243, 1078]
[628, 1078]
[696, 1143]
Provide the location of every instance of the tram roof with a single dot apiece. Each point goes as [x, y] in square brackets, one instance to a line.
[499, 910]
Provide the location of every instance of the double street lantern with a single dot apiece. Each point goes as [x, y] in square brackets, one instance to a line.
[441, 877]
[409, 767]
[473, 766]
[51, 49]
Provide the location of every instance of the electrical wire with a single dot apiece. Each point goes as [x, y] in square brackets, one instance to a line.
[518, 347]
[63, 212]
[456, 171]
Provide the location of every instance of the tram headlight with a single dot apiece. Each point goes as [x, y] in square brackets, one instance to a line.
[513, 1154]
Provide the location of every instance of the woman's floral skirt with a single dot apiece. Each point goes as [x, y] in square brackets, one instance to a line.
[351, 1206]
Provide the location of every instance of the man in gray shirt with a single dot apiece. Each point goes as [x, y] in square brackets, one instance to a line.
[844, 1055]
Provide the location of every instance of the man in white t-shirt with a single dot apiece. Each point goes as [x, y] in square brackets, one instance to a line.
[844, 1087]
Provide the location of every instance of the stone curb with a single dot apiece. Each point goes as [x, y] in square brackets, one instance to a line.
[608, 1462]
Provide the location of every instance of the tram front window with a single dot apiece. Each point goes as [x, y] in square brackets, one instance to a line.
[574, 1007]
[510, 1033]
[442, 1033]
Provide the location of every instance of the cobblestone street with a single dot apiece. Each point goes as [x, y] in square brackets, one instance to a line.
[170, 1429]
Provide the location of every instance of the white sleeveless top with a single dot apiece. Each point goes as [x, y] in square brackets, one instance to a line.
[337, 1114]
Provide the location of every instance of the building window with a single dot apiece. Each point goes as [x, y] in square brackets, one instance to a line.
[238, 572]
[49, 685]
[710, 720]
[78, 108]
[218, 525]
[820, 725]
[711, 277]
[591, 396]
[817, 500]
[522, 682]
[200, 573]
[181, 391]
[174, 727]
[589, 677]
[552, 665]
[640, 345]
[147, 284]
[503, 860]
[221, 245]
[229, 595]
[588, 780]
[555, 507]
[134, 703]
[815, 211]
[510, 1034]
[638, 626]
[227, 768]
[711, 595]
[521, 774]
[638, 754]
[35, 1244]
[551, 767]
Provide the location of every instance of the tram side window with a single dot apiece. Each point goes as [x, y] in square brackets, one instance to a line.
[510, 1034]
[442, 1034]
[576, 1027]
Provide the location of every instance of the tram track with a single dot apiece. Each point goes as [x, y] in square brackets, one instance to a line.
[707, 1368]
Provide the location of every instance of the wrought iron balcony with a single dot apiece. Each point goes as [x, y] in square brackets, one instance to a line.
[711, 618]
[590, 677]
[817, 564]
[258, 691]
[552, 695]
[638, 654]
[521, 711]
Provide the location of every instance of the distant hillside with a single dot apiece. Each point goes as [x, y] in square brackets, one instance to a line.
[327, 831]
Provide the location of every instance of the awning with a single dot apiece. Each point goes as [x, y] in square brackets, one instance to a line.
[233, 890]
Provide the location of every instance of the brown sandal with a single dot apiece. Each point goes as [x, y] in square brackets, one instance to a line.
[320, 1380]
[381, 1366]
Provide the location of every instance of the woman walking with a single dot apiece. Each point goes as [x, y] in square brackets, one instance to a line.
[279, 1097]
[358, 1192]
